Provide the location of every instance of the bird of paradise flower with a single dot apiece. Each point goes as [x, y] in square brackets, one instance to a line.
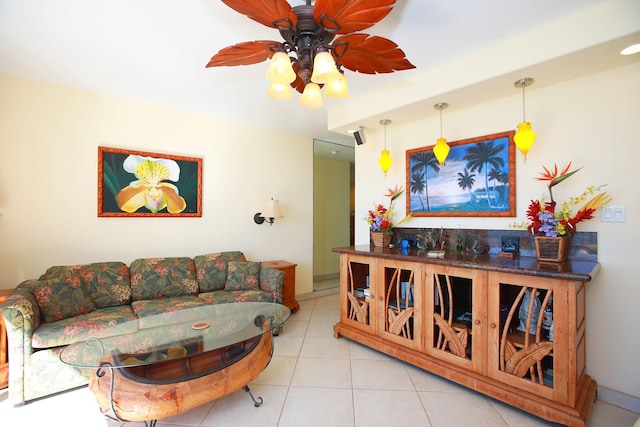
[150, 189]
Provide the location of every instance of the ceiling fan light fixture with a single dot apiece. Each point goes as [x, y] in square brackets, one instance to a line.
[280, 70]
[324, 68]
[337, 89]
[311, 97]
[279, 92]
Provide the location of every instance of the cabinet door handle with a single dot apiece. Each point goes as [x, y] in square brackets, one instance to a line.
[492, 325]
[477, 322]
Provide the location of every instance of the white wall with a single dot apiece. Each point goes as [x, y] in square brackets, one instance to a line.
[592, 122]
[48, 183]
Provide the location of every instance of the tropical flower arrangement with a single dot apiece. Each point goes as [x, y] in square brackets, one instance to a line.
[379, 218]
[549, 219]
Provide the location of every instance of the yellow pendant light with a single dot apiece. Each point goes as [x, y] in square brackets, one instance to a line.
[385, 159]
[525, 136]
[441, 149]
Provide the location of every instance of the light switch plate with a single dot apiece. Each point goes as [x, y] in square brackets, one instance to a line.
[614, 213]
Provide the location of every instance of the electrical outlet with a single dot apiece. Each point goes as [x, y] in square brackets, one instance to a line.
[614, 213]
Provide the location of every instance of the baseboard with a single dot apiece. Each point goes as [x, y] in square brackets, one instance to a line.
[619, 399]
[322, 277]
[317, 294]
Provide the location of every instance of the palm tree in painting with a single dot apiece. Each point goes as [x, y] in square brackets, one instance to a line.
[494, 175]
[422, 161]
[417, 185]
[480, 157]
[466, 181]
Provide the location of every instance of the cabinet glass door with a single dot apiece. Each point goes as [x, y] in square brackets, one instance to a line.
[458, 310]
[400, 316]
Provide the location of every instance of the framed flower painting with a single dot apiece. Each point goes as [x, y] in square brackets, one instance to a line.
[142, 184]
[478, 178]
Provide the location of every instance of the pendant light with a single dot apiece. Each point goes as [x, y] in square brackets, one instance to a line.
[441, 149]
[385, 159]
[525, 136]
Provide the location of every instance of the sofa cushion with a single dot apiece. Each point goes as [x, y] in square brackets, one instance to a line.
[151, 307]
[243, 276]
[62, 298]
[224, 297]
[211, 269]
[153, 278]
[84, 326]
[108, 282]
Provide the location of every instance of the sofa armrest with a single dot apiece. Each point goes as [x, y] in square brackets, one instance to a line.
[21, 317]
[271, 281]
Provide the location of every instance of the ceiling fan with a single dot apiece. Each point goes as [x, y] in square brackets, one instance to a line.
[307, 60]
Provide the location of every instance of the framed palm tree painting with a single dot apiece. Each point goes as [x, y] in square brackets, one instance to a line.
[139, 183]
[477, 179]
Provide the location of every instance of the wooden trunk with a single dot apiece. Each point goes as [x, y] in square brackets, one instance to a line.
[170, 387]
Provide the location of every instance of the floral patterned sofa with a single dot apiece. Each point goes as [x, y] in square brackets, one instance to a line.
[72, 303]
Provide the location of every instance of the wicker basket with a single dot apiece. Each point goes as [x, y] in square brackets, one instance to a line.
[554, 249]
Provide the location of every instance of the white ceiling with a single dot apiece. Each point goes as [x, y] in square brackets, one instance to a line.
[155, 51]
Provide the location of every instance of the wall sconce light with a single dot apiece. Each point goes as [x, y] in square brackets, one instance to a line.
[441, 149]
[525, 136]
[270, 212]
[385, 159]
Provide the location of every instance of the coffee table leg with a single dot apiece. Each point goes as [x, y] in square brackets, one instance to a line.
[256, 402]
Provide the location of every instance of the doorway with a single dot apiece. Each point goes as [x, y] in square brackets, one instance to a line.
[333, 209]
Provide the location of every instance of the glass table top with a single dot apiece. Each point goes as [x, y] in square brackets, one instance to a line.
[175, 335]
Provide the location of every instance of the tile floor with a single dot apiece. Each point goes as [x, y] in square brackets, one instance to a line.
[316, 380]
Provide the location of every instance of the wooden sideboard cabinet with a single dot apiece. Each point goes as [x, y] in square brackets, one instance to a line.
[515, 333]
[288, 284]
[4, 349]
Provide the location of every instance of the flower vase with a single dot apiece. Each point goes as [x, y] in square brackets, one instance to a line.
[380, 239]
[553, 249]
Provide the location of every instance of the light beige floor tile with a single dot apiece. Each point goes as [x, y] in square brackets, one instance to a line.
[317, 407]
[287, 346]
[378, 408]
[325, 347]
[237, 409]
[380, 375]
[325, 314]
[306, 308]
[194, 417]
[465, 409]
[320, 328]
[359, 351]
[517, 418]
[605, 415]
[278, 372]
[316, 372]
[294, 328]
[426, 381]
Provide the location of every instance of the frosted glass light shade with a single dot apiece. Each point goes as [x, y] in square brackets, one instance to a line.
[385, 161]
[441, 150]
[337, 89]
[524, 138]
[279, 92]
[324, 69]
[311, 97]
[280, 71]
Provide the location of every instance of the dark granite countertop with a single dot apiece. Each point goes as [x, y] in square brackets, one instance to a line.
[582, 271]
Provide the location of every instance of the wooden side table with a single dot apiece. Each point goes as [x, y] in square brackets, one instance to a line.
[288, 284]
[4, 349]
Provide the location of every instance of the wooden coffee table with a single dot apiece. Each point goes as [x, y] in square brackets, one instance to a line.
[163, 365]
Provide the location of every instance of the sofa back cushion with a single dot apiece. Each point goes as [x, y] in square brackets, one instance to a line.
[211, 269]
[153, 278]
[108, 282]
[62, 298]
[243, 276]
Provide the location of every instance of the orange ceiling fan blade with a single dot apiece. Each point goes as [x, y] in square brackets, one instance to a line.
[370, 54]
[344, 17]
[272, 13]
[245, 53]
